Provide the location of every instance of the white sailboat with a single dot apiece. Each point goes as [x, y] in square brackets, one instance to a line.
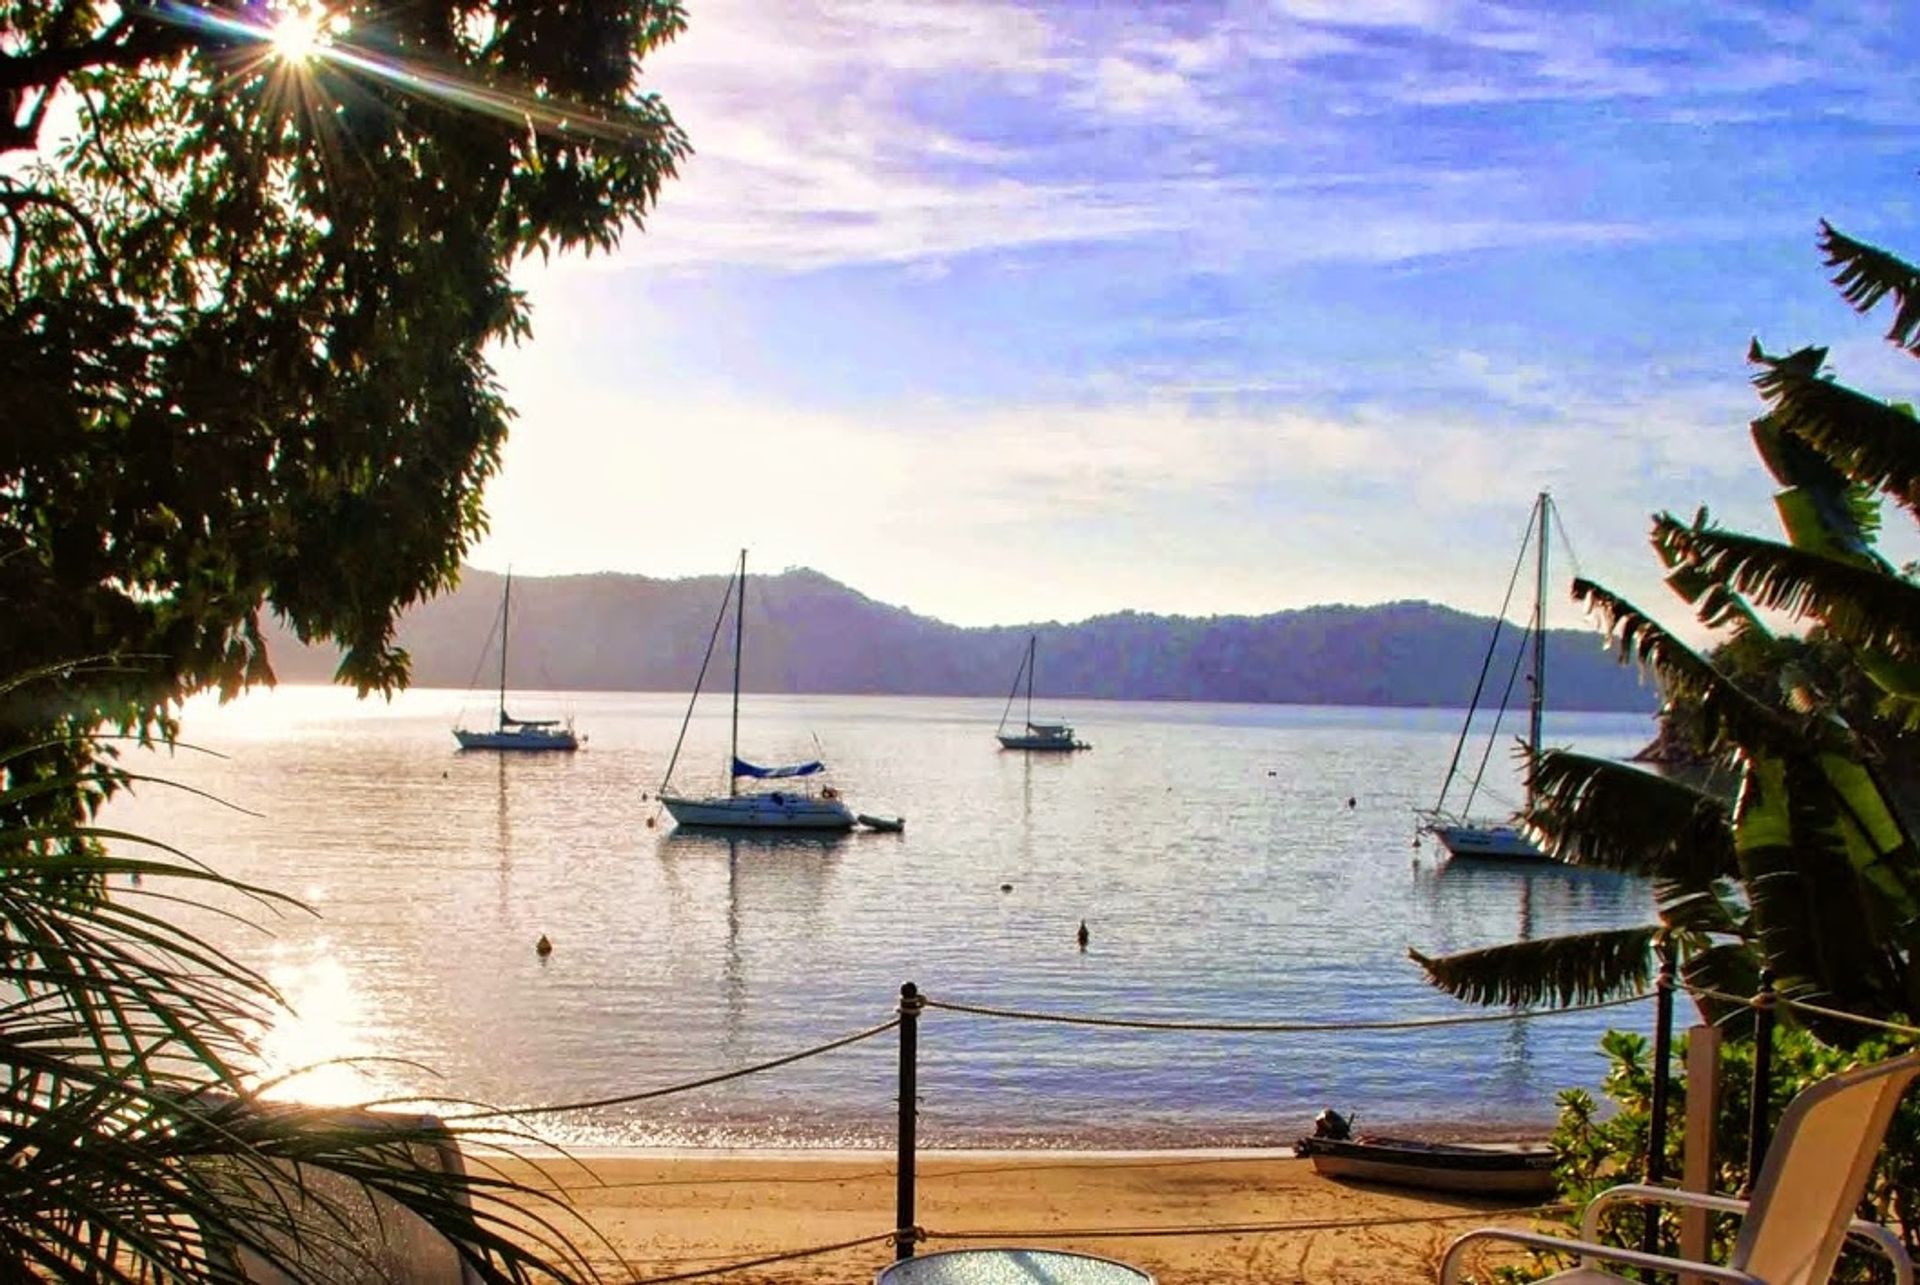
[788, 807]
[1036, 736]
[1504, 839]
[508, 732]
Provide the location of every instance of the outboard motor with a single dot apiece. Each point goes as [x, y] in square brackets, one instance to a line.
[1331, 1124]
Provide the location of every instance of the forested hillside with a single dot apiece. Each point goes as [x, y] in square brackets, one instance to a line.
[808, 633]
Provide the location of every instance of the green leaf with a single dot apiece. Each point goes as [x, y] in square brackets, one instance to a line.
[1581, 968]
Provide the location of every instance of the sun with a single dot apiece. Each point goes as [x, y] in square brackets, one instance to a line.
[298, 34]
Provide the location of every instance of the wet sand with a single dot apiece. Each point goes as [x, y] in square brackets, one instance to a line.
[1245, 1216]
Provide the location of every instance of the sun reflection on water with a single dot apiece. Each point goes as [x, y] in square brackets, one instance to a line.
[305, 1054]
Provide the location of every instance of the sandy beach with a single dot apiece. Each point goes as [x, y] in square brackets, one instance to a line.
[1245, 1216]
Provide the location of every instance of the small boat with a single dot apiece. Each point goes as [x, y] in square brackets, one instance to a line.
[1037, 736]
[1494, 1168]
[790, 807]
[1502, 840]
[508, 732]
[890, 825]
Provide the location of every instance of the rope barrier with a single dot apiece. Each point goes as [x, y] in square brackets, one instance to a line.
[1248, 1229]
[814, 1252]
[1144, 1024]
[1899, 1028]
[923, 1235]
[1785, 1001]
[721, 1078]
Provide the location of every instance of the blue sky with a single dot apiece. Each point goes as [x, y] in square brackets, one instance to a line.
[1035, 311]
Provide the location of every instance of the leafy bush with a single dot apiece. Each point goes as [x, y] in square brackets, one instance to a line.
[1604, 1144]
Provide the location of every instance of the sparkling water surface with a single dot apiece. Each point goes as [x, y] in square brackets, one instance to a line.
[1210, 850]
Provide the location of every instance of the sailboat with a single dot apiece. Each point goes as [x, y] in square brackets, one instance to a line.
[1037, 736]
[787, 807]
[1503, 840]
[510, 733]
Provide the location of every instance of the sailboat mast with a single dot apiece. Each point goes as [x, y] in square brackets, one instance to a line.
[506, 626]
[1033, 641]
[739, 641]
[1536, 701]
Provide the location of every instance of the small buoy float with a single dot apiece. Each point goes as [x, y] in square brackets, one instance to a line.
[1083, 935]
[649, 823]
[1006, 887]
[1352, 803]
[543, 947]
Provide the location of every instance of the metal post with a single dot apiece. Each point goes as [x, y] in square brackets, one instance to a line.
[1760, 1117]
[1696, 1148]
[1662, 1059]
[911, 1003]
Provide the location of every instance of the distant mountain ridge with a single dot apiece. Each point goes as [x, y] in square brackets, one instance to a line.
[807, 633]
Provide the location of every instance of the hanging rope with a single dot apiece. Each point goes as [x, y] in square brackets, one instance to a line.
[1248, 1229]
[1506, 697]
[1486, 664]
[721, 1078]
[1277, 1028]
[1573, 557]
[1783, 1001]
[814, 1252]
[698, 682]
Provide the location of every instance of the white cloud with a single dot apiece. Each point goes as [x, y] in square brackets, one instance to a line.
[1159, 501]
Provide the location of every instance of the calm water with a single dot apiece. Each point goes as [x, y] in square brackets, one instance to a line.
[1209, 848]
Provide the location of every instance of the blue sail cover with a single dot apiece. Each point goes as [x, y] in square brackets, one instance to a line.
[743, 768]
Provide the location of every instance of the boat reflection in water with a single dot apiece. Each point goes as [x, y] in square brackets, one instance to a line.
[772, 901]
[1472, 904]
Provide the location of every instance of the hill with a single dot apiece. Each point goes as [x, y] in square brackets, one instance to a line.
[809, 633]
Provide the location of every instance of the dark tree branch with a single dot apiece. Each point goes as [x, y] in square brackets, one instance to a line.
[13, 199]
[134, 38]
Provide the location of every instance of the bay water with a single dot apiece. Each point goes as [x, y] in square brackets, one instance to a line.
[1211, 850]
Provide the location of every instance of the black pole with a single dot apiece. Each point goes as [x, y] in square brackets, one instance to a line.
[1662, 1059]
[903, 1221]
[1760, 1117]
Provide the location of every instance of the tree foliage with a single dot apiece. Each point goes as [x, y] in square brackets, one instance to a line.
[246, 302]
[1790, 844]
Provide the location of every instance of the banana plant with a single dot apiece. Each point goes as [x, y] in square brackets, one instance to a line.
[1798, 855]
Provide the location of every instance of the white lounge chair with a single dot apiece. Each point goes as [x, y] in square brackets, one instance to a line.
[1802, 1206]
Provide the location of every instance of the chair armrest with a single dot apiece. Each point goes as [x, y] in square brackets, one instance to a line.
[1873, 1233]
[1587, 1249]
[1642, 1193]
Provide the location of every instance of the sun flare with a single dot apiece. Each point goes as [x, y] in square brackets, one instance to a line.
[298, 33]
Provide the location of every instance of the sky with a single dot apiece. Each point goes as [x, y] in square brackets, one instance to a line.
[1036, 311]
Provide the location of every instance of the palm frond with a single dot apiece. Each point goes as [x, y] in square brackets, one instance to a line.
[1860, 604]
[1702, 912]
[1612, 816]
[1867, 275]
[1582, 968]
[1870, 441]
[1722, 969]
[1730, 715]
[1821, 507]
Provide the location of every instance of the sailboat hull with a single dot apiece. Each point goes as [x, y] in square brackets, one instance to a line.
[777, 810]
[1010, 741]
[1487, 842]
[525, 738]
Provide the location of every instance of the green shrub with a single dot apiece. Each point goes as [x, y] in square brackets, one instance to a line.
[1603, 1143]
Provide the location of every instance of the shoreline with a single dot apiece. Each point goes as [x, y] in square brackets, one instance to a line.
[1185, 1216]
